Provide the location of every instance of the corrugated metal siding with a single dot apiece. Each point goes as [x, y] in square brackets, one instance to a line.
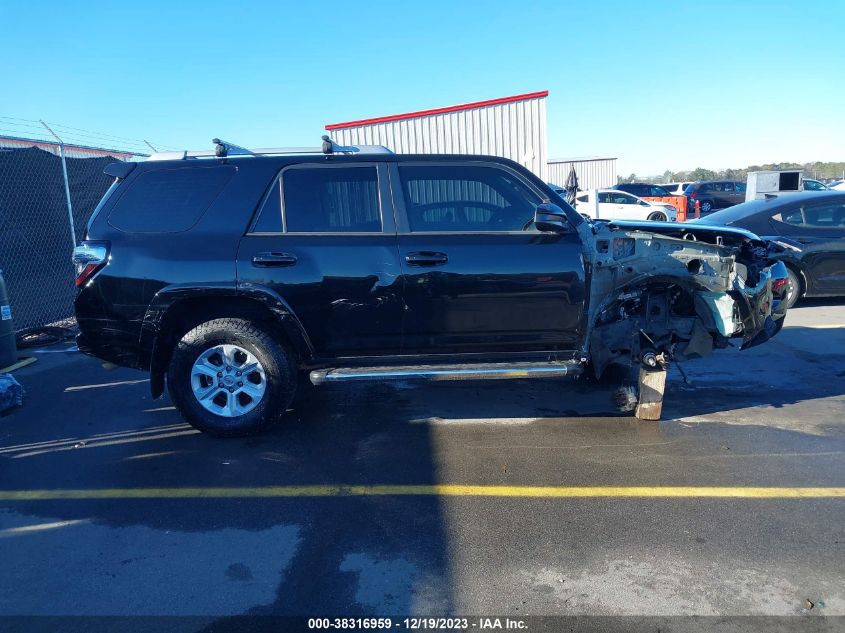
[593, 173]
[515, 130]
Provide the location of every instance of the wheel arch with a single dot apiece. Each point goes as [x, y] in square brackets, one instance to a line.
[177, 309]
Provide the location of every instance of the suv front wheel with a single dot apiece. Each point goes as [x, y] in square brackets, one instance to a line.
[230, 377]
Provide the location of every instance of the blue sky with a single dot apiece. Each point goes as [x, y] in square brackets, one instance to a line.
[660, 85]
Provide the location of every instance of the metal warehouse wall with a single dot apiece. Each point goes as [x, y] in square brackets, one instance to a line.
[511, 127]
[593, 173]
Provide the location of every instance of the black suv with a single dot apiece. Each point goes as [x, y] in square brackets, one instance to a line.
[233, 276]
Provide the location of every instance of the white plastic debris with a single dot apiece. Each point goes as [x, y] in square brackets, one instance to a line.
[11, 392]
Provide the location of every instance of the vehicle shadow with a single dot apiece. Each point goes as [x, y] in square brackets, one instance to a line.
[86, 429]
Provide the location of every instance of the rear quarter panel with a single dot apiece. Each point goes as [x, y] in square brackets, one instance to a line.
[114, 303]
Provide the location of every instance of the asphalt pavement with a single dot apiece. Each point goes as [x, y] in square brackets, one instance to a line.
[526, 497]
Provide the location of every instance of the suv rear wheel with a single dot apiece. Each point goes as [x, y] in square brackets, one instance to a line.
[230, 377]
[706, 206]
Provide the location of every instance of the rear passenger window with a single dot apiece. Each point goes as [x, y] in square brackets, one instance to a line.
[168, 200]
[331, 200]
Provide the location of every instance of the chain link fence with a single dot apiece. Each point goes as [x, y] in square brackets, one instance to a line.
[48, 191]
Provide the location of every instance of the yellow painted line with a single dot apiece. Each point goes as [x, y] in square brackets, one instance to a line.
[23, 362]
[440, 490]
[106, 384]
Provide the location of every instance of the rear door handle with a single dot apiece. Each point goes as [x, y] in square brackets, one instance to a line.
[426, 258]
[273, 260]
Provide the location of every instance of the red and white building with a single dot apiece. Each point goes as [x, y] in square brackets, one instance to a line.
[512, 127]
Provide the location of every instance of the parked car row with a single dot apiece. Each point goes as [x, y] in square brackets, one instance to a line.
[810, 226]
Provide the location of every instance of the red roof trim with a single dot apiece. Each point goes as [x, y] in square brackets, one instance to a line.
[455, 108]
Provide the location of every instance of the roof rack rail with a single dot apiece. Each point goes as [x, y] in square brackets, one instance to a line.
[224, 149]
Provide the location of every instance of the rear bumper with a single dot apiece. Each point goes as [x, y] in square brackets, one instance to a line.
[101, 339]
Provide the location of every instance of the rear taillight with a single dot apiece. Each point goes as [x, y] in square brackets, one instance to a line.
[88, 259]
[778, 284]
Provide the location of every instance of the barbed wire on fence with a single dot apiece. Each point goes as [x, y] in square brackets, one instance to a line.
[51, 180]
[36, 129]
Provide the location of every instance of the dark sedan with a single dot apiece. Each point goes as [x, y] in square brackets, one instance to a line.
[811, 228]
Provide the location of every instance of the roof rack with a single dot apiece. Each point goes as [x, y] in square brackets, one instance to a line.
[224, 149]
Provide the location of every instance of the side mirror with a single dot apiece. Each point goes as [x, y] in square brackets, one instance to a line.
[550, 218]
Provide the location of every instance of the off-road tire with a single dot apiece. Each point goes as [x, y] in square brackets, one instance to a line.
[274, 356]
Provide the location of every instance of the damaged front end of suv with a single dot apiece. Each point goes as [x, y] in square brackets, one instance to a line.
[662, 292]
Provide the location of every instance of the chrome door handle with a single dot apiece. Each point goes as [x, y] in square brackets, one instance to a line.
[273, 260]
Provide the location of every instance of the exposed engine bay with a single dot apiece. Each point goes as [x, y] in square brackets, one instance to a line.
[662, 292]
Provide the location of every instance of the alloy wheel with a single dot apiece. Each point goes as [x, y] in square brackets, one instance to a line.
[228, 380]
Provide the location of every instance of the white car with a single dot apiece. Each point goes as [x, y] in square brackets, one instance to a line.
[610, 204]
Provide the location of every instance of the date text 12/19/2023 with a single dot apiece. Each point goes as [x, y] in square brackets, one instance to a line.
[417, 624]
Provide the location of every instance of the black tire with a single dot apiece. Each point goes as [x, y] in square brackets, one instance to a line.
[274, 356]
[794, 288]
[706, 206]
[657, 216]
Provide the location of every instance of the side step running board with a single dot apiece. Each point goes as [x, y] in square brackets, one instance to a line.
[448, 372]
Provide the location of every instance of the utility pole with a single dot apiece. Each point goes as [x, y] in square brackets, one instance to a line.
[67, 185]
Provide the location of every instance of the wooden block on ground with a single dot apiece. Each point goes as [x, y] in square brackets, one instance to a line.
[651, 387]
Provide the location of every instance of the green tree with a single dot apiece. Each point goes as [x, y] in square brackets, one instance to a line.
[700, 173]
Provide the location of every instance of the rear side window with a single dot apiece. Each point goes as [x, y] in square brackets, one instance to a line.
[168, 200]
[830, 216]
[331, 200]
